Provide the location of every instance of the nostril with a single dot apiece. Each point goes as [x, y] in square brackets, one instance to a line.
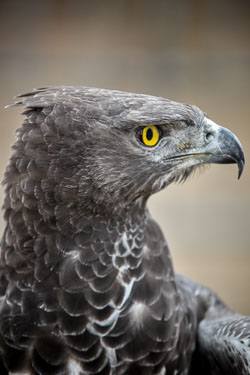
[209, 136]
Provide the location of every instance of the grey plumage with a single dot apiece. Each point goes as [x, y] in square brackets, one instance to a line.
[88, 285]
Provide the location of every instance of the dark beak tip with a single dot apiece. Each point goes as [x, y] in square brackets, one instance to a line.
[241, 164]
[231, 147]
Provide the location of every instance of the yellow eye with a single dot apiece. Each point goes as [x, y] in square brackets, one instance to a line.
[150, 135]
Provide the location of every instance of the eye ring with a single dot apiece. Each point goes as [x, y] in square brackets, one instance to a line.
[150, 135]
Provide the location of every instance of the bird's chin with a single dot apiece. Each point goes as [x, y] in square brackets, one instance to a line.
[180, 174]
[183, 173]
[183, 166]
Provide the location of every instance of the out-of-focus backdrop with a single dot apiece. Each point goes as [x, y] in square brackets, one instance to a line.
[194, 51]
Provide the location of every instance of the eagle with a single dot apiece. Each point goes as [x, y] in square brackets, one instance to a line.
[87, 281]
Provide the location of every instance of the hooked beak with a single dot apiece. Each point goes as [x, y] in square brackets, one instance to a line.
[219, 146]
[225, 148]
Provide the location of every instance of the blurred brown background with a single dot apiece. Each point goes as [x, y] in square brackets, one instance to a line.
[194, 51]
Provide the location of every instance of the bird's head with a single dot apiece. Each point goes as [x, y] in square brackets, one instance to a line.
[111, 147]
[140, 144]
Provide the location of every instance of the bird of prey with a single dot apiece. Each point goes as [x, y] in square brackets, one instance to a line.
[87, 282]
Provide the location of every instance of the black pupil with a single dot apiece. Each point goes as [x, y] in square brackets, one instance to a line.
[149, 134]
